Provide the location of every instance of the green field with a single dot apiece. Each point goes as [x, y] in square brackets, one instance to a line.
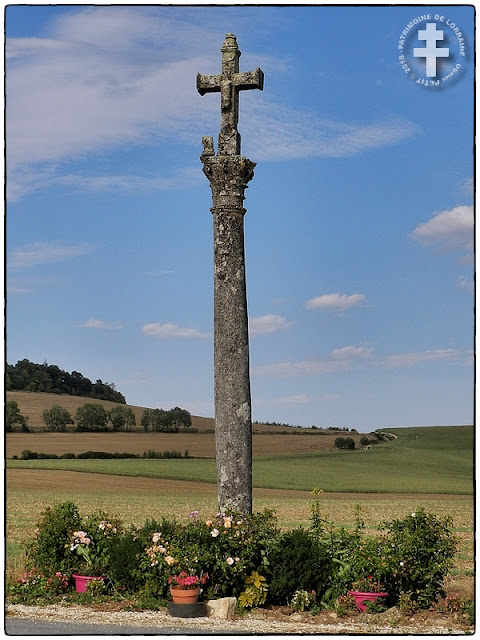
[421, 460]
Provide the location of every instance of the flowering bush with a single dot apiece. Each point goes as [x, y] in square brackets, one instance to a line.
[368, 585]
[185, 581]
[92, 545]
[227, 547]
[35, 584]
[303, 600]
[418, 552]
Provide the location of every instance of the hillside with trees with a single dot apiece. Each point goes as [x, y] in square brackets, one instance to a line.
[48, 378]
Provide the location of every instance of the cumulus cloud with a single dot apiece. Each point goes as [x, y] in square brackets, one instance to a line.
[109, 76]
[451, 229]
[335, 301]
[38, 253]
[268, 324]
[94, 323]
[170, 330]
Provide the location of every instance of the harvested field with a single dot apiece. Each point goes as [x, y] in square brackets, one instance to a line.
[199, 445]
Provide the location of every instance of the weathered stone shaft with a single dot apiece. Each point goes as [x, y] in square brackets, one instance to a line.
[233, 425]
[229, 173]
[228, 176]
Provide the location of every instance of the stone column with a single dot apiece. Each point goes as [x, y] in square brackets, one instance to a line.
[228, 177]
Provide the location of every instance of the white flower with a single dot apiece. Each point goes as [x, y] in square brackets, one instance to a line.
[214, 533]
[230, 561]
[156, 537]
[413, 514]
[401, 564]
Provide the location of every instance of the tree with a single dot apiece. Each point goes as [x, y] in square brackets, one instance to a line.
[122, 418]
[146, 419]
[344, 443]
[91, 417]
[180, 417]
[56, 418]
[160, 420]
[14, 417]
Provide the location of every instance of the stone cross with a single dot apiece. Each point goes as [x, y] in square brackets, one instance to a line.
[229, 83]
[229, 173]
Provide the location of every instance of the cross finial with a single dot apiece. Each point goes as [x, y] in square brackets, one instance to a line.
[229, 83]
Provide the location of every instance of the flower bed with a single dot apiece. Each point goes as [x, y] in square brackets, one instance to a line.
[246, 556]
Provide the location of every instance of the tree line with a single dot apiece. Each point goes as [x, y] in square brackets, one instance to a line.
[48, 378]
[93, 417]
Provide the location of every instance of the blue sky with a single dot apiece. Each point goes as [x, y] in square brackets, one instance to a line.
[359, 224]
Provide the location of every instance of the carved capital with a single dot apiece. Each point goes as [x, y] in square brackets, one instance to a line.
[229, 177]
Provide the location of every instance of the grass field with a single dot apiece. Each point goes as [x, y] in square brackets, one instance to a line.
[421, 460]
[424, 467]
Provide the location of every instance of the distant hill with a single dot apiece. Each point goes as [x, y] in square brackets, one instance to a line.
[32, 405]
[48, 378]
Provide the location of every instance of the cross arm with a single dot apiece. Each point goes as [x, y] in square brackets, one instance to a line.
[208, 84]
[248, 79]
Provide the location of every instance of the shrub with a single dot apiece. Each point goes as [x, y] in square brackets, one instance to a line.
[299, 562]
[48, 552]
[124, 552]
[255, 592]
[344, 443]
[419, 551]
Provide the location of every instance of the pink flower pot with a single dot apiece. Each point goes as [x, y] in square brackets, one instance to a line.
[185, 596]
[361, 596]
[81, 582]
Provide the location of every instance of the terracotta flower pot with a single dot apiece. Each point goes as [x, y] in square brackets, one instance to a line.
[185, 596]
[81, 582]
[361, 596]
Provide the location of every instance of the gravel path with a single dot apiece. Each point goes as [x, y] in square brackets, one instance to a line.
[161, 623]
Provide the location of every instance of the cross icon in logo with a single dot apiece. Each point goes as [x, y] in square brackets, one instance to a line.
[430, 52]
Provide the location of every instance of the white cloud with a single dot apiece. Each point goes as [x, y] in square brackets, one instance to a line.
[349, 357]
[279, 133]
[93, 323]
[352, 353]
[38, 253]
[170, 330]
[110, 76]
[401, 360]
[464, 283]
[268, 324]
[335, 301]
[452, 229]
[293, 400]
[337, 360]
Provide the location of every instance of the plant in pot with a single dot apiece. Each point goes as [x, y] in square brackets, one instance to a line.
[92, 548]
[366, 590]
[186, 588]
